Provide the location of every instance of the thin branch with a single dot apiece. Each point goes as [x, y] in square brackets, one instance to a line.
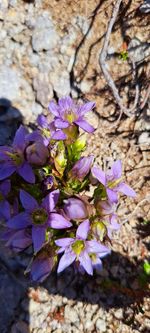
[102, 61]
[145, 98]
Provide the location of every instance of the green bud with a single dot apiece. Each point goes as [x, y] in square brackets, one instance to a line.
[60, 160]
[80, 143]
[99, 228]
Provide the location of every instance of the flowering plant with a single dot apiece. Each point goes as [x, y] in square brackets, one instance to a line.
[44, 200]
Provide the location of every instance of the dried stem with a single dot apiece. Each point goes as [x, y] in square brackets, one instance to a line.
[102, 61]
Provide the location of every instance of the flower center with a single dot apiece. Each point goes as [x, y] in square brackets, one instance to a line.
[39, 216]
[69, 116]
[17, 157]
[78, 247]
[46, 133]
[114, 183]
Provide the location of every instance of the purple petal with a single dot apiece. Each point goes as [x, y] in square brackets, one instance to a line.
[64, 242]
[59, 123]
[83, 229]
[97, 264]
[66, 260]
[117, 169]
[85, 125]
[75, 209]
[20, 138]
[86, 262]
[26, 172]
[126, 189]
[20, 221]
[51, 200]
[65, 103]
[38, 237]
[112, 195]
[42, 121]
[6, 170]
[86, 108]
[99, 174]
[95, 247]
[35, 136]
[82, 167]
[5, 209]
[53, 108]
[5, 187]
[3, 153]
[59, 135]
[20, 240]
[41, 268]
[28, 202]
[57, 221]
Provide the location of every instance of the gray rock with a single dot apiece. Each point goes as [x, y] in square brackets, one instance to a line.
[44, 90]
[44, 35]
[61, 83]
[10, 295]
[144, 138]
[145, 7]
[119, 314]
[9, 83]
[138, 50]
[3, 4]
[71, 314]
[101, 325]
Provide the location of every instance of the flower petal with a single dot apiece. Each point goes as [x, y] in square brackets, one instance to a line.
[20, 221]
[57, 221]
[99, 174]
[53, 108]
[6, 170]
[112, 195]
[59, 135]
[5, 209]
[66, 260]
[95, 247]
[42, 121]
[83, 229]
[41, 268]
[20, 240]
[126, 189]
[28, 202]
[117, 169]
[63, 242]
[59, 123]
[38, 237]
[86, 108]
[65, 103]
[50, 201]
[75, 209]
[85, 125]
[20, 138]
[5, 187]
[26, 172]
[86, 262]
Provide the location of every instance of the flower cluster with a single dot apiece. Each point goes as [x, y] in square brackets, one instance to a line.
[44, 194]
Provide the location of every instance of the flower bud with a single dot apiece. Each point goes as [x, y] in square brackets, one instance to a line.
[60, 160]
[82, 167]
[80, 143]
[75, 209]
[37, 153]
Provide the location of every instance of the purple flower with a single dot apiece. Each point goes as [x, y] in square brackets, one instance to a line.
[38, 217]
[67, 113]
[106, 222]
[113, 182]
[80, 249]
[17, 240]
[46, 132]
[37, 153]
[12, 158]
[82, 167]
[42, 265]
[4, 204]
[75, 209]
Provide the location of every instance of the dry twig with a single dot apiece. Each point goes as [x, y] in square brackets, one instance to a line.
[110, 81]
